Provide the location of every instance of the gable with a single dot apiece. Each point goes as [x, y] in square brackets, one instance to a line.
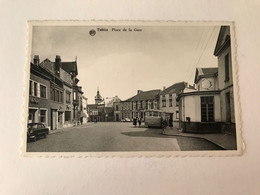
[223, 39]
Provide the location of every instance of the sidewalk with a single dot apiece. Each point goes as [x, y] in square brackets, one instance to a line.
[225, 141]
[68, 128]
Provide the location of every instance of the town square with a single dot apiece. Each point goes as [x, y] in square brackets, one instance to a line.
[105, 100]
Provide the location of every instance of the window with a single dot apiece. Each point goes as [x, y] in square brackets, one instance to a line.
[228, 108]
[207, 109]
[35, 89]
[74, 95]
[53, 94]
[68, 100]
[152, 105]
[163, 103]
[170, 101]
[227, 67]
[30, 88]
[43, 116]
[67, 115]
[177, 114]
[156, 114]
[177, 103]
[42, 91]
[116, 107]
[56, 95]
[155, 105]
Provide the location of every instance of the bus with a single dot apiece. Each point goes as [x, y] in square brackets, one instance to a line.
[153, 118]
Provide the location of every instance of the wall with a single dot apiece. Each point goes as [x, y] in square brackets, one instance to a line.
[38, 102]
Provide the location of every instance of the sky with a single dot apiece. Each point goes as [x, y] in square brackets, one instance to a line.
[121, 62]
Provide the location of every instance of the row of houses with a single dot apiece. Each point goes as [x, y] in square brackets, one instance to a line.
[164, 100]
[206, 106]
[55, 98]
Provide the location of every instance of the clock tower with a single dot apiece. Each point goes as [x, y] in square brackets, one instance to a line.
[98, 97]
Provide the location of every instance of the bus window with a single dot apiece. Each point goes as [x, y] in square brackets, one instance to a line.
[155, 114]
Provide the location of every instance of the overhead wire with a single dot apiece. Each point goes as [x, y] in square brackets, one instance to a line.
[203, 51]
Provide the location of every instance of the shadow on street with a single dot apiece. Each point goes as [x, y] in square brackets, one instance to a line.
[145, 133]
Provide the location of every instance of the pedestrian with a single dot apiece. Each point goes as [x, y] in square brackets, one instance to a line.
[170, 122]
[139, 121]
[163, 124]
[134, 122]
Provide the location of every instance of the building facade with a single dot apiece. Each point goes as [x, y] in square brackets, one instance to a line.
[123, 110]
[52, 86]
[211, 107]
[102, 111]
[200, 108]
[225, 78]
[145, 100]
[168, 101]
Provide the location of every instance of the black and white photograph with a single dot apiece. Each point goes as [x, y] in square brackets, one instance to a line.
[131, 87]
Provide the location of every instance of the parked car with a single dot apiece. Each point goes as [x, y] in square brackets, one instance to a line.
[36, 130]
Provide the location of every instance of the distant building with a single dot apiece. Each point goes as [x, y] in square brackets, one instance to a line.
[145, 100]
[101, 111]
[123, 110]
[98, 98]
[168, 101]
[54, 95]
[84, 105]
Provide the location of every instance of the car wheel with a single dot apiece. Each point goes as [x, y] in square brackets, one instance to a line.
[35, 139]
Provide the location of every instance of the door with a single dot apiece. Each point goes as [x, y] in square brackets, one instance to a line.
[60, 120]
[53, 119]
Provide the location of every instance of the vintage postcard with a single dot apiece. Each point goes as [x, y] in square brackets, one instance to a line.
[131, 88]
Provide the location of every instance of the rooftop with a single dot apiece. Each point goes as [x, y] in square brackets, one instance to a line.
[175, 88]
[146, 95]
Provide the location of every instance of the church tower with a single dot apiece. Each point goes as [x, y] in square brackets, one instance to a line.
[98, 97]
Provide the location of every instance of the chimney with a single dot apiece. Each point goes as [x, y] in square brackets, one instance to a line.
[57, 65]
[36, 60]
[139, 91]
[164, 88]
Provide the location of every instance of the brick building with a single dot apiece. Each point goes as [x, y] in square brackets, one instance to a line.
[54, 95]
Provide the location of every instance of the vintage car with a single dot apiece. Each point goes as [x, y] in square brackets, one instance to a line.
[36, 130]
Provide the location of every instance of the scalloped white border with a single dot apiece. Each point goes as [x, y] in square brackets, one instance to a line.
[158, 154]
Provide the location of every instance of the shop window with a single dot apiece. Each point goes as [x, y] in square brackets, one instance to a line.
[207, 109]
[43, 116]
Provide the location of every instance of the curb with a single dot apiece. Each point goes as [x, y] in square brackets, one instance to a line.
[66, 129]
[199, 138]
